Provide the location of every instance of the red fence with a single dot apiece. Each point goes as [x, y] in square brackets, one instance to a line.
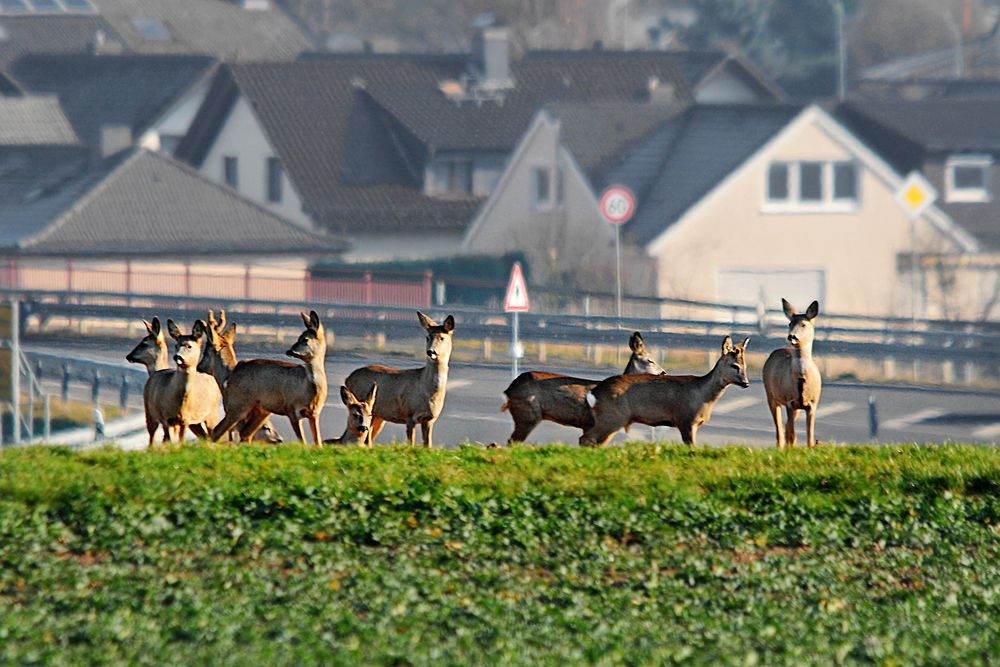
[252, 284]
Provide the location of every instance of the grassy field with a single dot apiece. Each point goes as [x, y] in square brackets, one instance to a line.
[648, 554]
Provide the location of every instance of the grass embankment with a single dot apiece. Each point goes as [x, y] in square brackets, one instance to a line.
[550, 555]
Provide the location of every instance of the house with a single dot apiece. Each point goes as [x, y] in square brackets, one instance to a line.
[141, 222]
[115, 101]
[224, 29]
[735, 204]
[396, 152]
[955, 143]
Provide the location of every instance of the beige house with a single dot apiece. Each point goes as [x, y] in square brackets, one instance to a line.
[736, 204]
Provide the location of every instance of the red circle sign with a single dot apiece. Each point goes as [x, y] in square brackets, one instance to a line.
[617, 204]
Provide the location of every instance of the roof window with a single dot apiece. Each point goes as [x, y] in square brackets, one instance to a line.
[47, 7]
[151, 29]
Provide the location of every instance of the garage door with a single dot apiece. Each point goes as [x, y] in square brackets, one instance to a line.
[749, 287]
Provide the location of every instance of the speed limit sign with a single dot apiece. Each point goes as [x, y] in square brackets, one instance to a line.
[617, 204]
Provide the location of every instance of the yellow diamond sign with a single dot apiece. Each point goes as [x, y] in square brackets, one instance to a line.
[915, 194]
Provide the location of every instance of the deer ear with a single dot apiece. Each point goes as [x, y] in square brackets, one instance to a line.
[230, 333]
[173, 330]
[198, 330]
[743, 345]
[155, 330]
[305, 319]
[211, 318]
[149, 327]
[425, 321]
[449, 324]
[789, 309]
[314, 322]
[812, 311]
[635, 342]
[370, 398]
[727, 345]
[346, 396]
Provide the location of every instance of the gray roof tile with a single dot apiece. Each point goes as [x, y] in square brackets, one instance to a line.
[34, 120]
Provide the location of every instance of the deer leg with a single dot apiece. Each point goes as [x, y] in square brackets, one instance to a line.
[181, 430]
[688, 433]
[425, 432]
[779, 429]
[522, 429]
[790, 425]
[251, 424]
[199, 431]
[296, 426]
[526, 417]
[314, 427]
[596, 435]
[228, 422]
[811, 425]
[410, 438]
[151, 427]
[377, 425]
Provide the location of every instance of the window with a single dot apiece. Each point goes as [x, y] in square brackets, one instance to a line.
[151, 29]
[777, 182]
[274, 180]
[845, 182]
[231, 171]
[459, 177]
[541, 185]
[811, 185]
[967, 178]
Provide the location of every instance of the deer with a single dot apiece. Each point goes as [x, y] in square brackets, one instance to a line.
[412, 396]
[188, 399]
[791, 378]
[683, 401]
[535, 396]
[359, 417]
[260, 387]
[152, 353]
[218, 359]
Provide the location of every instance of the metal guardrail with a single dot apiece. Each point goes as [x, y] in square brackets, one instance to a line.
[902, 340]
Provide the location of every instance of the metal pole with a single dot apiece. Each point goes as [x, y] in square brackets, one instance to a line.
[15, 371]
[48, 417]
[514, 346]
[913, 274]
[618, 272]
[838, 10]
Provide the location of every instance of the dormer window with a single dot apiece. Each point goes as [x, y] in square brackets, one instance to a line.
[811, 185]
[967, 178]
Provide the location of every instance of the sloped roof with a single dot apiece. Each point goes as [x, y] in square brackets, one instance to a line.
[599, 134]
[321, 112]
[215, 27]
[36, 183]
[141, 203]
[125, 90]
[692, 154]
[34, 120]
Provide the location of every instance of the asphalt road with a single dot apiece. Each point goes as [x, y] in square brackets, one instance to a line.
[472, 409]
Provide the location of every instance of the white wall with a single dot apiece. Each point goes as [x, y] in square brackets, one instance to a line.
[243, 138]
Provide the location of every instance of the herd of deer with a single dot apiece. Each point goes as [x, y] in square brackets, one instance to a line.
[207, 372]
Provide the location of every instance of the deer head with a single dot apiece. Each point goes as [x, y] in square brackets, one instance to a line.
[800, 327]
[733, 362]
[359, 412]
[438, 346]
[151, 348]
[311, 343]
[187, 348]
[641, 361]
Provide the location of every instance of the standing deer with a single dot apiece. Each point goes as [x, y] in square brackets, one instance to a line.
[152, 353]
[534, 396]
[189, 399]
[791, 377]
[260, 387]
[684, 401]
[359, 418]
[218, 359]
[413, 396]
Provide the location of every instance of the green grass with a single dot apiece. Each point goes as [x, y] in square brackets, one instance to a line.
[648, 554]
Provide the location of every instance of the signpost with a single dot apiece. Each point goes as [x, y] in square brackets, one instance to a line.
[10, 357]
[516, 301]
[617, 207]
[915, 195]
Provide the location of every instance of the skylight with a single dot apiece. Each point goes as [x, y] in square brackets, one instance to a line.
[151, 29]
[47, 7]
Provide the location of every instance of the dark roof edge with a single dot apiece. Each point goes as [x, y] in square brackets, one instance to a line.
[210, 117]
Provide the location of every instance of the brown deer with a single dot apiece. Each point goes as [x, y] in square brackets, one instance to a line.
[791, 377]
[218, 359]
[359, 418]
[684, 401]
[260, 387]
[534, 396]
[152, 353]
[188, 399]
[413, 396]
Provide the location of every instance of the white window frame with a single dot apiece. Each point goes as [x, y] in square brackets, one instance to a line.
[975, 160]
[794, 202]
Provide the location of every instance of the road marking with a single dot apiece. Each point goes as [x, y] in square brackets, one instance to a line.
[914, 418]
[833, 409]
[738, 404]
[458, 384]
[988, 431]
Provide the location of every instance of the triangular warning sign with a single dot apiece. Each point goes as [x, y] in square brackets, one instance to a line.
[517, 291]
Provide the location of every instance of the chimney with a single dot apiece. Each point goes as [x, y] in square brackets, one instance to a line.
[491, 54]
[115, 138]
